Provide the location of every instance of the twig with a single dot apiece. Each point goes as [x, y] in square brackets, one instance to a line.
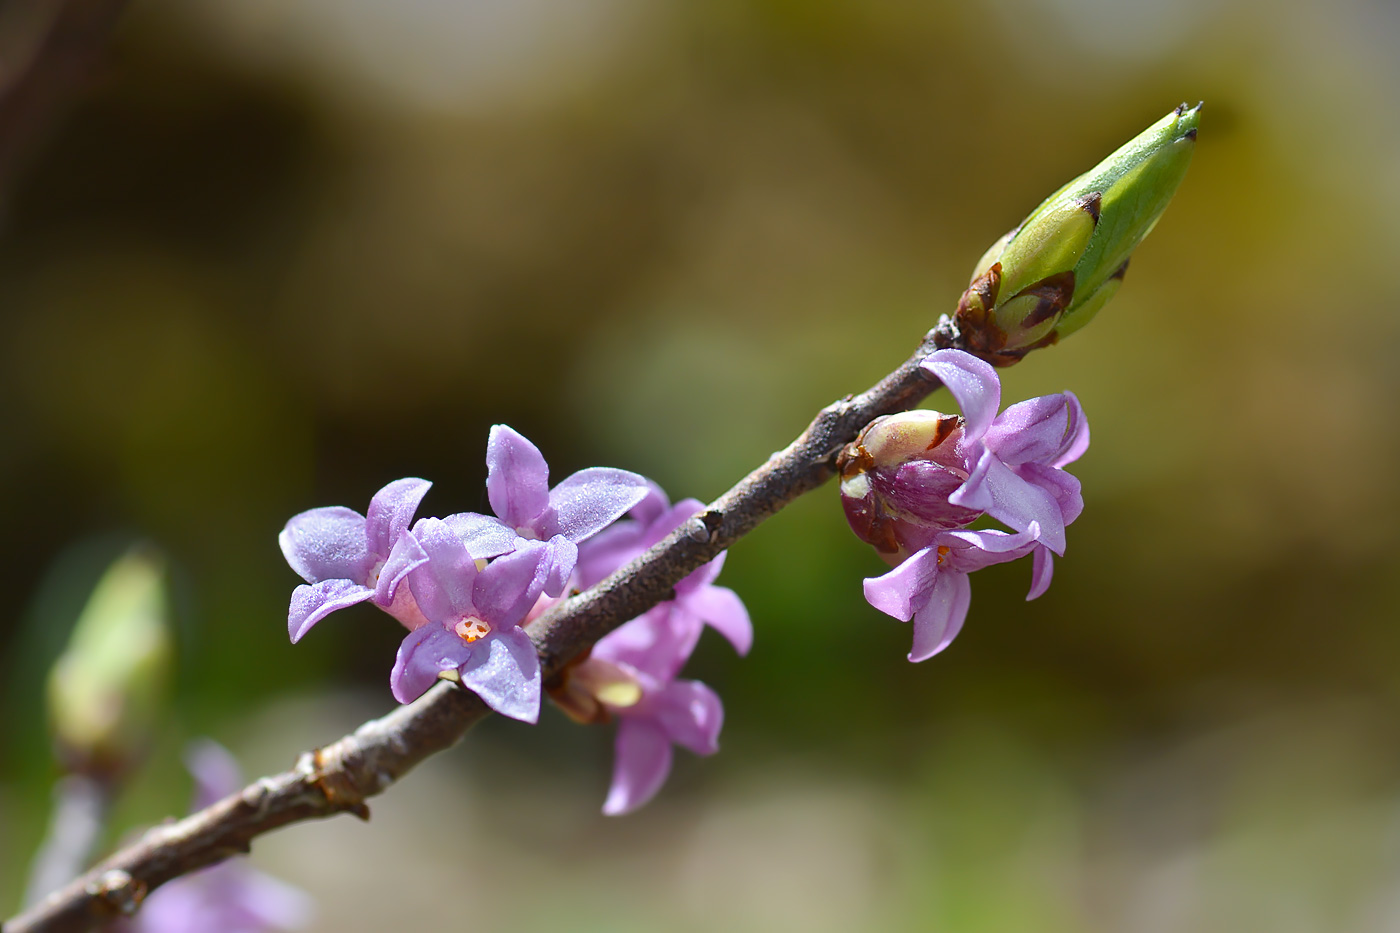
[340, 777]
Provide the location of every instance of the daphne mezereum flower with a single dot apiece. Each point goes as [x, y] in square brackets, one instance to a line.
[630, 676]
[527, 509]
[471, 631]
[697, 598]
[229, 897]
[348, 558]
[910, 481]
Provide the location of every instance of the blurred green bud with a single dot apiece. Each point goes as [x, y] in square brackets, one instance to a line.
[108, 688]
[1050, 275]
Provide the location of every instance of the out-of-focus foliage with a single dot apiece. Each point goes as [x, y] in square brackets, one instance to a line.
[287, 250]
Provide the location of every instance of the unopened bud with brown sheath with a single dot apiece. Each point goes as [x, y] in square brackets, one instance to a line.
[1049, 276]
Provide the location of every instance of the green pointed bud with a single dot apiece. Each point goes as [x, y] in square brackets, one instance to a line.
[109, 687]
[1048, 277]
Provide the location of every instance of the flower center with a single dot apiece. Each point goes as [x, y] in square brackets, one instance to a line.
[471, 629]
[943, 550]
[374, 573]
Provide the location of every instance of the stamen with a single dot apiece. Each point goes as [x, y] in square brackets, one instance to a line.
[471, 628]
[943, 550]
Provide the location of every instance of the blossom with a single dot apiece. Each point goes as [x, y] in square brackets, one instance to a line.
[229, 897]
[697, 599]
[631, 676]
[348, 558]
[910, 481]
[527, 509]
[472, 614]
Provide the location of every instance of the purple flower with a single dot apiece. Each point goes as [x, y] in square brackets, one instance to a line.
[348, 558]
[697, 600]
[1017, 458]
[229, 897]
[473, 613]
[527, 509]
[631, 676]
[910, 480]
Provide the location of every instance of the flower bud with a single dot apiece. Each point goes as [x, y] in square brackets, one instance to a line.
[1049, 276]
[108, 688]
[589, 690]
[896, 478]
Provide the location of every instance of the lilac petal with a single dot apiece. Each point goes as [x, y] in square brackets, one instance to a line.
[391, 512]
[1076, 436]
[1018, 502]
[900, 592]
[641, 764]
[940, 619]
[973, 494]
[506, 675]
[406, 556]
[442, 586]
[517, 478]
[423, 654]
[592, 499]
[972, 550]
[312, 603]
[700, 577]
[724, 611]
[560, 559]
[973, 383]
[1042, 569]
[690, 713]
[1033, 430]
[484, 536]
[1063, 488]
[270, 904]
[327, 544]
[655, 644]
[215, 771]
[509, 586]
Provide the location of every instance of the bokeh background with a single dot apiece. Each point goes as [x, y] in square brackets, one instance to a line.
[270, 254]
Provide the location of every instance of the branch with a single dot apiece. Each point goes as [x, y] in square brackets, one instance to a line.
[341, 776]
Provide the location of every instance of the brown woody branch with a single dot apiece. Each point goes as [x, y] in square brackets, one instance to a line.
[342, 776]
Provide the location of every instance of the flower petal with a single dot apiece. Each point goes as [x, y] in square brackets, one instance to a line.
[903, 590]
[215, 771]
[690, 713]
[641, 764]
[592, 499]
[1042, 569]
[1076, 436]
[970, 550]
[940, 619]
[506, 675]
[1033, 430]
[405, 556]
[517, 478]
[724, 611]
[1063, 488]
[391, 513]
[312, 603]
[560, 560]
[484, 535]
[974, 383]
[327, 544]
[656, 644]
[973, 494]
[423, 654]
[509, 586]
[1018, 502]
[442, 586]
[700, 577]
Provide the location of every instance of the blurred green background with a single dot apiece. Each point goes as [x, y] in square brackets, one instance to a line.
[280, 252]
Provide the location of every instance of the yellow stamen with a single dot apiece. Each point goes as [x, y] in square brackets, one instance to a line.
[942, 553]
[470, 629]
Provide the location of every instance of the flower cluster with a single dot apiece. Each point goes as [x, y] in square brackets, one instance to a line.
[465, 585]
[912, 483]
[461, 585]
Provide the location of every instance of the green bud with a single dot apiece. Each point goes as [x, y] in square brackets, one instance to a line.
[1049, 276]
[109, 686]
